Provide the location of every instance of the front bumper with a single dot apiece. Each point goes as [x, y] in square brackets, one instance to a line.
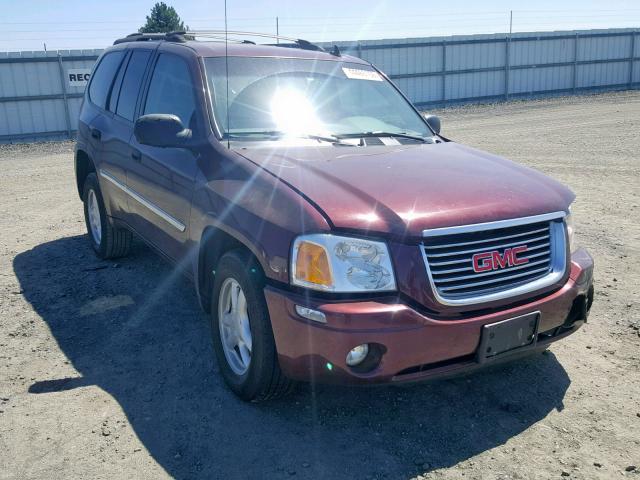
[415, 346]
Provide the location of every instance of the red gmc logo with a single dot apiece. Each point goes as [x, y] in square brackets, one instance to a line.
[486, 261]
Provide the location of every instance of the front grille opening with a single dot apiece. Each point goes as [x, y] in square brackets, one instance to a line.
[492, 235]
[503, 284]
[436, 365]
[473, 264]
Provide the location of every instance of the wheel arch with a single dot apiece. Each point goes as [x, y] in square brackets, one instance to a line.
[214, 243]
[83, 166]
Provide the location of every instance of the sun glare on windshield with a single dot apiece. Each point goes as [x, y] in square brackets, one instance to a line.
[293, 113]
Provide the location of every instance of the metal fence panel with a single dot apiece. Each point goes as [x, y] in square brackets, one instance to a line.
[475, 55]
[474, 85]
[541, 79]
[602, 74]
[37, 100]
[604, 48]
[535, 52]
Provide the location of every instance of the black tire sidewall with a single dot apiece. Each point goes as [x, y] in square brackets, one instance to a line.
[254, 381]
[91, 183]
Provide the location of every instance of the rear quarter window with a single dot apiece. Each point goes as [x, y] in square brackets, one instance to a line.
[102, 78]
[131, 83]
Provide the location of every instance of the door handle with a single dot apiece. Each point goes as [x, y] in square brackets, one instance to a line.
[95, 133]
[136, 155]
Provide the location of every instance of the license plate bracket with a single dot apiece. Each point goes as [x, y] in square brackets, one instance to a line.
[508, 335]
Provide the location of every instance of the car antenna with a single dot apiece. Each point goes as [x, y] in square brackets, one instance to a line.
[226, 69]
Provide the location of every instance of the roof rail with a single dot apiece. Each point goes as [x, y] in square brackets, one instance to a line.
[146, 37]
[222, 34]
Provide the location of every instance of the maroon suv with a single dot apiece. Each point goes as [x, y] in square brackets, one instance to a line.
[330, 230]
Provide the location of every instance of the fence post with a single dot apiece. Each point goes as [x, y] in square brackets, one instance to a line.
[507, 62]
[444, 71]
[575, 63]
[633, 51]
[67, 116]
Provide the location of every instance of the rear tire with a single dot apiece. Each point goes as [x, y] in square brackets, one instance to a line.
[106, 240]
[259, 378]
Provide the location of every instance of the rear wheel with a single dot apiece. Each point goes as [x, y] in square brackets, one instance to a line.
[107, 240]
[241, 331]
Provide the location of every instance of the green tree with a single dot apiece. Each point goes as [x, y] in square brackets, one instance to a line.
[163, 19]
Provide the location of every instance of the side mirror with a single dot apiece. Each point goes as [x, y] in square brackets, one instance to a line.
[161, 130]
[433, 121]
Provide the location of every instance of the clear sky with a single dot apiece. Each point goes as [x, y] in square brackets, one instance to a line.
[61, 24]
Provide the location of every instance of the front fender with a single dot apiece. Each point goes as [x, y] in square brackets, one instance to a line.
[255, 208]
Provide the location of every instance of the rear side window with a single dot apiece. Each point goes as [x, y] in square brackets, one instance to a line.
[115, 88]
[103, 78]
[131, 83]
[171, 90]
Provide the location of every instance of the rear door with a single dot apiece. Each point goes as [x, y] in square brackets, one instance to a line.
[123, 103]
[162, 179]
[100, 130]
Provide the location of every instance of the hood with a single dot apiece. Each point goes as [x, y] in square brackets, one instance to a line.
[402, 190]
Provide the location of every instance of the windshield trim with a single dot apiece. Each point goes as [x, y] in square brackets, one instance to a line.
[406, 99]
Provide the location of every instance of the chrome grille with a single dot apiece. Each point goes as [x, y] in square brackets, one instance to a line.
[450, 255]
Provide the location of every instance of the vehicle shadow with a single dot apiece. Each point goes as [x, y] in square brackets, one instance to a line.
[134, 328]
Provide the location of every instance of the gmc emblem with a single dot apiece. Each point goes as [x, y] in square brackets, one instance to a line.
[486, 261]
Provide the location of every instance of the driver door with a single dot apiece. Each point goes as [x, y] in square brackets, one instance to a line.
[162, 179]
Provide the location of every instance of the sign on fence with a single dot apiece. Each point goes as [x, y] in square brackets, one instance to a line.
[78, 77]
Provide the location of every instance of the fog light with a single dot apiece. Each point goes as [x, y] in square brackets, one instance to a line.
[357, 355]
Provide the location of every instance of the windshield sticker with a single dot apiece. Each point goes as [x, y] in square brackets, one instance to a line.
[358, 74]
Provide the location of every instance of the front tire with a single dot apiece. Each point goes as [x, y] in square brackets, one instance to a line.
[241, 331]
[106, 240]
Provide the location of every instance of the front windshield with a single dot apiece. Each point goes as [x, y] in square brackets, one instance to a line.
[271, 97]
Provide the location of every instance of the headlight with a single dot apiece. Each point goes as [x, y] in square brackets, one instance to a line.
[341, 264]
[568, 220]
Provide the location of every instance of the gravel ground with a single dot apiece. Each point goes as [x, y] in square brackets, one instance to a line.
[106, 369]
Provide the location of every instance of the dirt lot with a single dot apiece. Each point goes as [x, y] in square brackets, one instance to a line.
[106, 369]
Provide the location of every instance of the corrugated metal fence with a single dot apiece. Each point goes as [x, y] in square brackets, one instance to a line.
[37, 100]
[445, 70]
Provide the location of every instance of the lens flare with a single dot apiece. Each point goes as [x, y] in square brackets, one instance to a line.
[293, 113]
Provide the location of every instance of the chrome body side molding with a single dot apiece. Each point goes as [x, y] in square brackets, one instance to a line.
[143, 201]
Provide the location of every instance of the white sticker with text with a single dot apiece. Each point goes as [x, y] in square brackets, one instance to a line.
[359, 74]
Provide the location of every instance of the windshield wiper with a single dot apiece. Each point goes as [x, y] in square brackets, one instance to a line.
[335, 139]
[382, 134]
[279, 134]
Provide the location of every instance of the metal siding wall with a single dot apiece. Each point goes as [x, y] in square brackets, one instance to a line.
[473, 85]
[37, 74]
[18, 118]
[635, 65]
[74, 111]
[534, 52]
[476, 69]
[540, 79]
[538, 63]
[601, 74]
[604, 48]
[481, 55]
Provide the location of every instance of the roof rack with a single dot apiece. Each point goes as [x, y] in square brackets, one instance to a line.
[179, 37]
[222, 34]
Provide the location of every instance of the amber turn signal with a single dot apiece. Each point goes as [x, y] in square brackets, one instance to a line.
[312, 265]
